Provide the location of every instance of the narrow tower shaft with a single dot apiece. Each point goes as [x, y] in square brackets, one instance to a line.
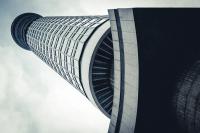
[59, 42]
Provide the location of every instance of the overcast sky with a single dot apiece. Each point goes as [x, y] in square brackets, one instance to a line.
[35, 99]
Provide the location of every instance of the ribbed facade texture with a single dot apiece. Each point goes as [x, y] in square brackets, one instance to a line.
[59, 42]
[102, 74]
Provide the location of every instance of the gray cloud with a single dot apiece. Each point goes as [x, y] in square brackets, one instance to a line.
[39, 100]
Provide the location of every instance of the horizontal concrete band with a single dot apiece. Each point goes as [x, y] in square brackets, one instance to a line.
[124, 110]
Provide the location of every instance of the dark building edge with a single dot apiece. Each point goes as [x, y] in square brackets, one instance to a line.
[20, 26]
[167, 46]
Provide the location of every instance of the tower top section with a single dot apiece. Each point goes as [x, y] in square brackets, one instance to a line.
[20, 26]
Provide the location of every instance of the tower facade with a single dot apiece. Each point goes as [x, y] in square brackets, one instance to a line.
[139, 66]
[78, 48]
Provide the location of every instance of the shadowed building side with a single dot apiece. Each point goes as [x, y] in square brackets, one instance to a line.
[156, 70]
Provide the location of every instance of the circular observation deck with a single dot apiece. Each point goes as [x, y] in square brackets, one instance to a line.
[97, 69]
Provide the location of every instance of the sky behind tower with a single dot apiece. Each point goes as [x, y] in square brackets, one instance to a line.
[35, 99]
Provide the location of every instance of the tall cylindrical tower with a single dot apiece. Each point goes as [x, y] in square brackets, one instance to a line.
[141, 64]
[78, 48]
